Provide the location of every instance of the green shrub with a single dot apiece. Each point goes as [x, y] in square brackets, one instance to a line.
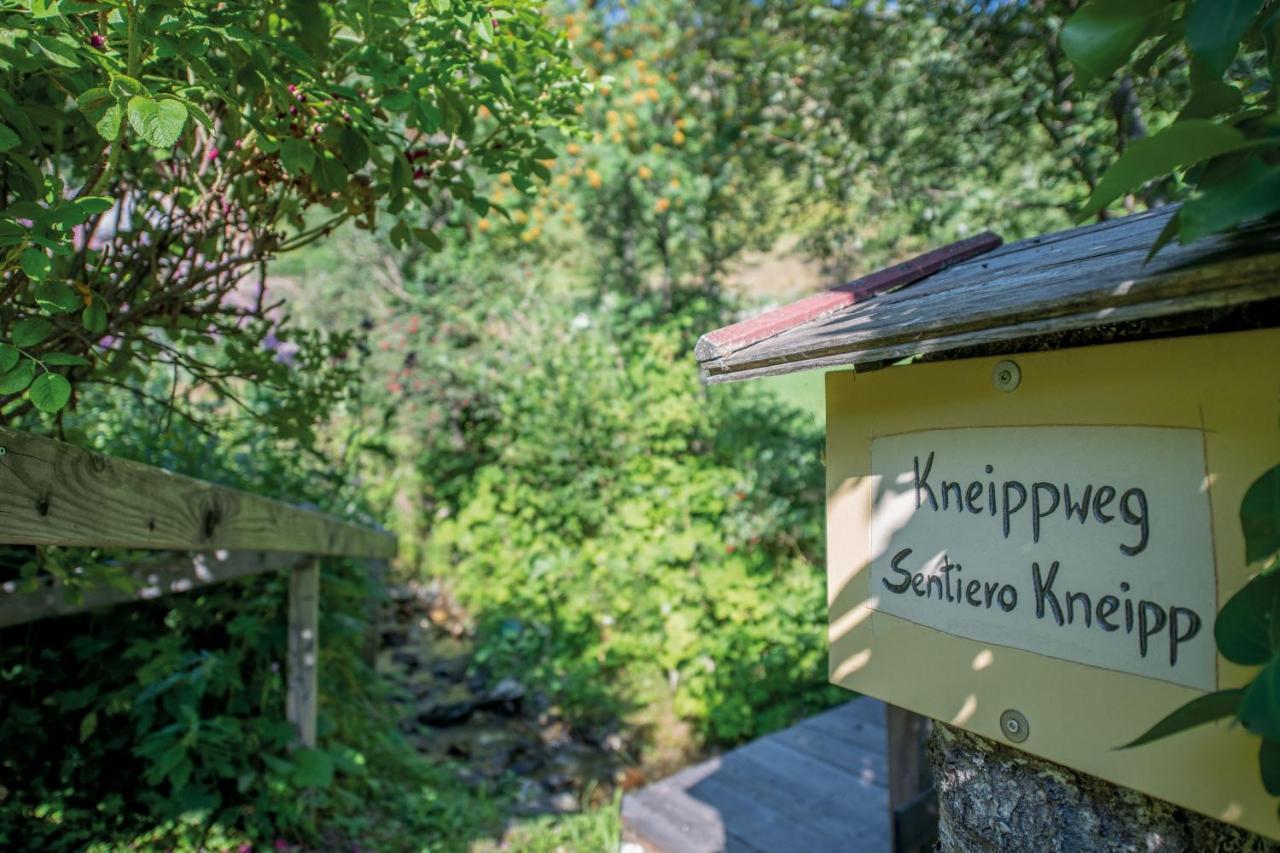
[634, 537]
[162, 723]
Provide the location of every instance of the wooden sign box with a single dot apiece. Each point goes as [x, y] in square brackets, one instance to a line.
[1042, 566]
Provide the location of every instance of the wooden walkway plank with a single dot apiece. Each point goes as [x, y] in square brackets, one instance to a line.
[818, 786]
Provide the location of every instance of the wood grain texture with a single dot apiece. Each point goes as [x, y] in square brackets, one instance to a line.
[302, 700]
[778, 794]
[730, 339]
[908, 770]
[56, 494]
[164, 576]
[1073, 280]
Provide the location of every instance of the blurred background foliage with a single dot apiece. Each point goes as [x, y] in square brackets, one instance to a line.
[502, 370]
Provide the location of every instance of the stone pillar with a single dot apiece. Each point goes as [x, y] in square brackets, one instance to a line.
[992, 797]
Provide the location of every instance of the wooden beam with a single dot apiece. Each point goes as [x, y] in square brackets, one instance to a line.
[376, 570]
[304, 650]
[163, 576]
[909, 778]
[1078, 280]
[56, 494]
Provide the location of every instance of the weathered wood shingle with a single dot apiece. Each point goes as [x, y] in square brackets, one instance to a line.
[1085, 278]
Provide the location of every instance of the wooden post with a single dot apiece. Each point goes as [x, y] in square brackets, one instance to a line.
[913, 803]
[304, 648]
[372, 637]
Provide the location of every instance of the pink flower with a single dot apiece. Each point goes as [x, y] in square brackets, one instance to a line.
[212, 155]
[97, 41]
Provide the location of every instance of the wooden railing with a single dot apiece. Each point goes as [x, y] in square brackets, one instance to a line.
[55, 494]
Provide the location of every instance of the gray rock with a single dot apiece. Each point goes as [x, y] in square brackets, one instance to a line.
[995, 798]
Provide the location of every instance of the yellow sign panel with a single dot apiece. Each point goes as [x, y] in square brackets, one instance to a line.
[1059, 549]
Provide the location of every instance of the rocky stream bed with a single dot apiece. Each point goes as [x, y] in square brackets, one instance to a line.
[495, 730]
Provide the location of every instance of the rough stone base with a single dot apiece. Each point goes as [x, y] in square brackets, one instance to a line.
[993, 797]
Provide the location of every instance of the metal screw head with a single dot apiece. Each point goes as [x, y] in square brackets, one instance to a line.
[1014, 725]
[1006, 376]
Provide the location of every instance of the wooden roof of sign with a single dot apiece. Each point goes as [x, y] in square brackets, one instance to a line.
[977, 297]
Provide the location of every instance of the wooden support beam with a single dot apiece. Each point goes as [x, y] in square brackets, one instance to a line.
[304, 650]
[162, 576]
[377, 573]
[914, 822]
[56, 494]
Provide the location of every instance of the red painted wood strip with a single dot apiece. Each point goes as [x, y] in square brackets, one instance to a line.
[730, 339]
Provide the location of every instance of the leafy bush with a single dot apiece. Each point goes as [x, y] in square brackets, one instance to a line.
[633, 538]
[162, 723]
[156, 154]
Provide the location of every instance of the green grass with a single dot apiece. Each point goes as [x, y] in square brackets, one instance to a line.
[596, 831]
[804, 390]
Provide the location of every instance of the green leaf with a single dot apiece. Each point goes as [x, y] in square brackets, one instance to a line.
[1245, 628]
[123, 86]
[1197, 712]
[1269, 764]
[95, 317]
[95, 205]
[331, 175]
[19, 378]
[49, 392]
[158, 122]
[1101, 35]
[1180, 144]
[9, 356]
[1260, 517]
[429, 238]
[31, 331]
[1250, 192]
[1215, 27]
[8, 139]
[1210, 94]
[35, 264]
[95, 100]
[353, 148]
[1260, 710]
[297, 156]
[88, 725]
[57, 298]
[108, 126]
[58, 51]
[64, 359]
[313, 768]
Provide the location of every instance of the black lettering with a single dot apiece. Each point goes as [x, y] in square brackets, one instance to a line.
[922, 483]
[990, 587]
[946, 568]
[1022, 499]
[899, 588]
[1044, 591]
[929, 587]
[917, 583]
[1078, 511]
[1072, 597]
[1099, 501]
[1193, 628]
[946, 493]
[1145, 628]
[1038, 511]
[1136, 518]
[971, 593]
[1107, 605]
[1010, 601]
[971, 496]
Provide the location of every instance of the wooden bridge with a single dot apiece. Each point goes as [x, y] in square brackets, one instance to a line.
[821, 785]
